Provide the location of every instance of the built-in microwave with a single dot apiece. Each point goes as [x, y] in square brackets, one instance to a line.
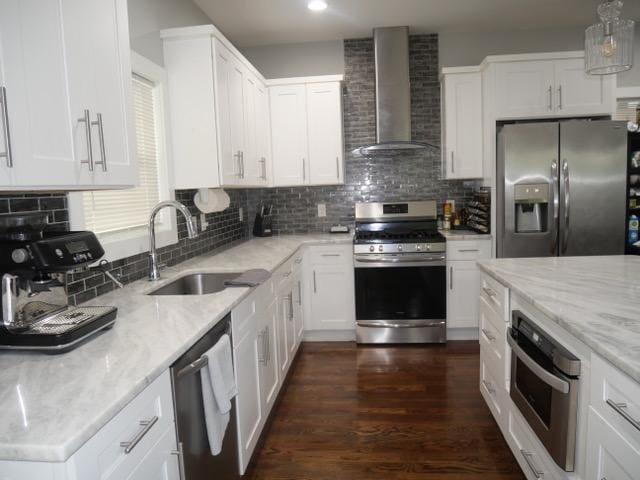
[545, 380]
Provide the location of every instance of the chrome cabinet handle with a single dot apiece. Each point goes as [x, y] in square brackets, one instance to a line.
[331, 255]
[304, 170]
[242, 163]
[7, 154]
[337, 168]
[267, 332]
[262, 357]
[263, 161]
[550, 379]
[146, 426]
[299, 292]
[489, 387]
[290, 306]
[556, 203]
[550, 93]
[315, 289]
[450, 278]
[560, 97]
[453, 162]
[103, 155]
[621, 408]
[528, 457]
[180, 454]
[462, 250]
[565, 236]
[238, 155]
[86, 119]
[488, 334]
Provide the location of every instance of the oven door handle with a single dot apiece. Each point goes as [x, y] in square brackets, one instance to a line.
[396, 260]
[553, 381]
[399, 324]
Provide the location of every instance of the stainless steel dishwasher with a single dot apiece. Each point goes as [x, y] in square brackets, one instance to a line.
[196, 462]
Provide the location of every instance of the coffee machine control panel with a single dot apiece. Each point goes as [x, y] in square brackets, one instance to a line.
[64, 251]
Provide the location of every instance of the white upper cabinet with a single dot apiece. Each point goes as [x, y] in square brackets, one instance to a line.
[289, 134]
[324, 124]
[555, 87]
[66, 78]
[462, 118]
[306, 131]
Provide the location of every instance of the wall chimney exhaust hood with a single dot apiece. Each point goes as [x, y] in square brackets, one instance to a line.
[393, 94]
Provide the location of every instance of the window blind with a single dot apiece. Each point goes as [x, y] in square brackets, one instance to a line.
[118, 210]
[626, 109]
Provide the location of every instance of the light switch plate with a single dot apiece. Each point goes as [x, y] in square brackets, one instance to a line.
[241, 214]
[322, 210]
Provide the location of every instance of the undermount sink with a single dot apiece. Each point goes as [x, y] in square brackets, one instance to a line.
[196, 284]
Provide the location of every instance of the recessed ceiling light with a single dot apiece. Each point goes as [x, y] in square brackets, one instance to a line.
[317, 5]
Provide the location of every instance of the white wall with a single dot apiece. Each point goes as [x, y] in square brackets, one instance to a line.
[148, 17]
[297, 60]
[460, 49]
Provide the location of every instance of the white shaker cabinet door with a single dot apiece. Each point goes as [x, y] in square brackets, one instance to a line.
[111, 112]
[289, 135]
[463, 290]
[46, 93]
[269, 376]
[332, 297]
[524, 89]
[578, 93]
[324, 120]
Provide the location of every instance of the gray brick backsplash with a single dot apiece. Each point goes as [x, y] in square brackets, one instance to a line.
[399, 177]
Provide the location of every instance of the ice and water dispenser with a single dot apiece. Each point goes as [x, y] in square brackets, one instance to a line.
[532, 207]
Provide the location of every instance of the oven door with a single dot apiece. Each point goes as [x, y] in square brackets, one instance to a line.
[400, 298]
[546, 397]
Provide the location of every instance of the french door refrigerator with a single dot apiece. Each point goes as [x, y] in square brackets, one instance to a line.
[561, 188]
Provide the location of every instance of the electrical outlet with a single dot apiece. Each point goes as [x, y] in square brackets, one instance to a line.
[322, 210]
[241, 214]
[203, 222]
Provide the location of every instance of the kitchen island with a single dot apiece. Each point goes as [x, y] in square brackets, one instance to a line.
[589, 306]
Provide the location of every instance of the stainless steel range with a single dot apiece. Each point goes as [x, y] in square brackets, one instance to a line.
[400, 273]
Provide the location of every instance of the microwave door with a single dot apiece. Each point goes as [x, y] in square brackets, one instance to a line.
[592, 187]
[526, 189]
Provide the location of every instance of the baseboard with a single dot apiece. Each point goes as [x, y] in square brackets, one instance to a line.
[462, 334]
[329, 336]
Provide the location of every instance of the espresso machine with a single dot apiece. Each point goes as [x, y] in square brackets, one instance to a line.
[33, 267]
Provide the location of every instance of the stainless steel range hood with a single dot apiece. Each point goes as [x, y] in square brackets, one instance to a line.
[393, 98]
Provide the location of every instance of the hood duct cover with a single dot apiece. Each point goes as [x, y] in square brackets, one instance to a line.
[393, 92]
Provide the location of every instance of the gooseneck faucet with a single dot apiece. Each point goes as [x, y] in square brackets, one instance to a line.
[192, 231]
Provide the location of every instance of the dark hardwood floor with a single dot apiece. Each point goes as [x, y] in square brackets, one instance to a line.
[351, 413]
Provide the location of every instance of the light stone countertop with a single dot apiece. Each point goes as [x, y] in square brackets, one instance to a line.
[456, 235]
[52, 404]
[596, 299]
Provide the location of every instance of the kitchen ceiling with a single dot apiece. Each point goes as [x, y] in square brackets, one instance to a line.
[267, 22]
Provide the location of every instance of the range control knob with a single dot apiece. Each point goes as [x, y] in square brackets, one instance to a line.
[372, 248]
[399, 248]
[20, 255]
[380, 248]
[418, 248]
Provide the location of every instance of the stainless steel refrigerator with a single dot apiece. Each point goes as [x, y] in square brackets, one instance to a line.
[561, 188]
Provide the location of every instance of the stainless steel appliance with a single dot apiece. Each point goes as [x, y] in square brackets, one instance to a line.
[196, 461]
[400, 273]
[561, 188]
[545, 381]
[33, 266]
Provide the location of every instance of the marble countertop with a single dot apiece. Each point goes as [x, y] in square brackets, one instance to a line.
[52, 404]
[455, 235]
[596, 299]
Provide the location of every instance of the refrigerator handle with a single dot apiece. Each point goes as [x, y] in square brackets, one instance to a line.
[565, 233]
[556, 205]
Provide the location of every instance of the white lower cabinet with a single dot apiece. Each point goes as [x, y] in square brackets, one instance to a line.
[463, 285]
[160, 463]
[330, 280]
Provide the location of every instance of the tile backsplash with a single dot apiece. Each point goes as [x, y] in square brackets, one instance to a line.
[224, 228]
[399, 177]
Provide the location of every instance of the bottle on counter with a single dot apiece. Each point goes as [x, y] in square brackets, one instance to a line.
[633, 230]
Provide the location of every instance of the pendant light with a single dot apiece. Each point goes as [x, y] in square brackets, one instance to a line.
[608, 45]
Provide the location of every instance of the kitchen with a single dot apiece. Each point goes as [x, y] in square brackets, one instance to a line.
[260, 132]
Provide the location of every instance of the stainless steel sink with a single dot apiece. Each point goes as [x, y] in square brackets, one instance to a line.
[196, 284]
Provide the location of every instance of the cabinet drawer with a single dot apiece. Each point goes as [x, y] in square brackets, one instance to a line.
[616, 397]
[491, 321]
[492, 346]
[141, 423]
[533, 459]
[243, 319]
[468, 249]
[609, 455]
[496, 295]
[490, 387]
[331, 255]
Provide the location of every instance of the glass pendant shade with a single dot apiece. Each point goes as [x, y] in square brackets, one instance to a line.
[608, 45]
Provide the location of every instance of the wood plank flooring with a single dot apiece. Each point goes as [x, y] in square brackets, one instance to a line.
[351, 413]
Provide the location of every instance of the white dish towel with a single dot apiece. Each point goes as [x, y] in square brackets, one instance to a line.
[218, 388]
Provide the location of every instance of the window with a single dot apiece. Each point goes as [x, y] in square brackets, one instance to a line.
[119, 217]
